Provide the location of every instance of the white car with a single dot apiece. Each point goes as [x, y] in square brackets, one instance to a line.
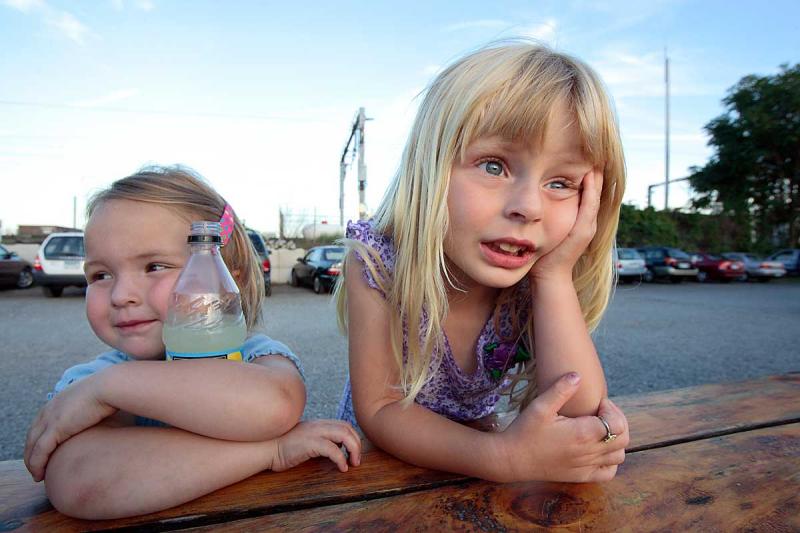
[629, 265]
[59, 263]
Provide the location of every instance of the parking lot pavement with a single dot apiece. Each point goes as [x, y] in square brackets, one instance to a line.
[654, 337]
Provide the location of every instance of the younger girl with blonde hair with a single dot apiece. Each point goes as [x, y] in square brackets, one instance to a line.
[130, 433]
[483, 271]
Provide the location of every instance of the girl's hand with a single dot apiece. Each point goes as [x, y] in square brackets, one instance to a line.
[317, 438]
[74, 409]
[558, 262]
[543, 445]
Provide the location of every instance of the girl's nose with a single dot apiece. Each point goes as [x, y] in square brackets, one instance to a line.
[125, 292]
[525, 201]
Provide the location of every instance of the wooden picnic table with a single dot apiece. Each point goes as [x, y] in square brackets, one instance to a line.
[718, 457]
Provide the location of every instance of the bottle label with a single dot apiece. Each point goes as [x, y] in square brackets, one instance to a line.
[178, 356]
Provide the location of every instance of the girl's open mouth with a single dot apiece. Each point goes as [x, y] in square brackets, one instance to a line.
[505, 254]
[509, 249]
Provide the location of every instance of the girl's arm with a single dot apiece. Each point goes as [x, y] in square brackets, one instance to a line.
[563, 345]
[111, 472]
[562, 339]
[219, 399]
[538, 445]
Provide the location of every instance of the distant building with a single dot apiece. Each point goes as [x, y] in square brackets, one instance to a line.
[37, 234]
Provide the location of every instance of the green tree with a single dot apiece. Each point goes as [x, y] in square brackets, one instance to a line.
[754, 173]
[643, 227]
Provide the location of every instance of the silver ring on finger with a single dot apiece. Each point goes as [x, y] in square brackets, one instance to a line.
[609, 435]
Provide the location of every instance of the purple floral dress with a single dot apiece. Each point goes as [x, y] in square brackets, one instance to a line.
[450, 391]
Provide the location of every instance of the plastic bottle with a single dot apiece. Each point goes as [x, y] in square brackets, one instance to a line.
[204, 316]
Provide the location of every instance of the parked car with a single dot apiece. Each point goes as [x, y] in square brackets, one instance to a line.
[14, 271]
[262, 252]
[629, 264]
[757, 268]
[59, 263]
[664, 262]
[710, 266]
[320, 268]
[790, 259]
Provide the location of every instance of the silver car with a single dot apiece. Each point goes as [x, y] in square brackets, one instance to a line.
[757, 268]
[629, 265]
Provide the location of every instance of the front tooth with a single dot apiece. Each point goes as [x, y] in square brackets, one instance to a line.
[510, 248]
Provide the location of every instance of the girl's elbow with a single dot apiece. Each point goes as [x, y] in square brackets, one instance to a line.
[72, 494]
[284, 411]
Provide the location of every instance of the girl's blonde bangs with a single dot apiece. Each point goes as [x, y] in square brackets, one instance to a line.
[519, 104]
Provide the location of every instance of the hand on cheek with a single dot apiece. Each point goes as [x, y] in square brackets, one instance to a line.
[558, 262]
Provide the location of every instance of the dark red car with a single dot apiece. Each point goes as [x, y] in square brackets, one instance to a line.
[710, 266]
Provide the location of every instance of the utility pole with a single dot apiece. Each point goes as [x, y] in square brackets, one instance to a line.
[357, 134]
[666, 131]
[74, 211]
[362, 168]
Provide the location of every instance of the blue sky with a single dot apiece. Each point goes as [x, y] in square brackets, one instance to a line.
[259, 96]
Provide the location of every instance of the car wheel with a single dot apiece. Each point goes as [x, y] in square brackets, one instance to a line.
[25, 279]
[702, 277]
[268, 289]
[648, 276]
[53, 291]
[318, 288]
[293, 279]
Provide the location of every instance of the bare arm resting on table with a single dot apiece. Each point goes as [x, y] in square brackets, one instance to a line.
[540, 444]
[204, 397]
[112, 472]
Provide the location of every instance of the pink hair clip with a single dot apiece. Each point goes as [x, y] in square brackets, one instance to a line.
[226, 223]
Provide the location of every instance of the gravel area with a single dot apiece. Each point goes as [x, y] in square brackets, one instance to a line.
[654, 337]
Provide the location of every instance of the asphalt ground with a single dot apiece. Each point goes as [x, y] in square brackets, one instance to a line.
[653, 337]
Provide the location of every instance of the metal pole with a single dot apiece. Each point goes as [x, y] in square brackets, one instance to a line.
[362, 169]
[74, 211]
[666, 125]
[342, 172]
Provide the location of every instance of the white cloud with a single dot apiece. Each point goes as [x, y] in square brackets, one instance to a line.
[545, 32]
[63, 21]
[68, 25]
[476, 24]
[110, 98]
[143, 5]
[25, 6]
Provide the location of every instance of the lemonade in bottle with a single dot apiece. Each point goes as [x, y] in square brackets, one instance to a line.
[204, 316]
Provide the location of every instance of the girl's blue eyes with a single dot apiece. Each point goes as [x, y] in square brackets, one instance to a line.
[495, 168]
[156, 267]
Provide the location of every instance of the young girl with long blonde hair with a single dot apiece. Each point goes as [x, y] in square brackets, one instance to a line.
[130, 433]
[484, 270]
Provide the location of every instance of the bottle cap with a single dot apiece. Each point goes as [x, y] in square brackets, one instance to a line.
[205, 232]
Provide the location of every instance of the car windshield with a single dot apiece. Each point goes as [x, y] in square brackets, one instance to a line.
[64, 247]
[628, 253]
[257, 244]
[334, 254]
[677, 254]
